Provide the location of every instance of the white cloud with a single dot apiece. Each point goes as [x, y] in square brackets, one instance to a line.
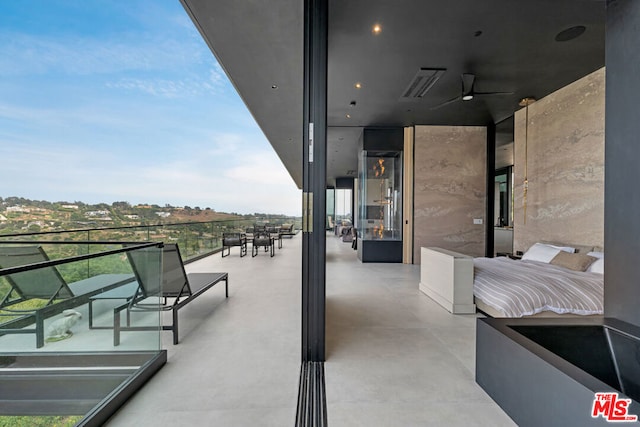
[73, 125]
[260, 168]
[163, 87]
[225, 145]
[24, 54]
[179, 184]
[175, 88]
[36, 117]
[94, 175]
[217, 75]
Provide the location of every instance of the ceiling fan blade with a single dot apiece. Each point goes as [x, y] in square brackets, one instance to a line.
[492, 93]
[450, 101]
[468, 80]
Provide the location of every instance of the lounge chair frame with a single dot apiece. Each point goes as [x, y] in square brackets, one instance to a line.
[45, 282]
[288, 230]
[178, 290]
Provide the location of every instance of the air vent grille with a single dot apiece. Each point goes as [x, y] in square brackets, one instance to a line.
[424, 80]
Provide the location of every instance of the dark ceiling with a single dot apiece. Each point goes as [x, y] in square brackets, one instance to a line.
[509, 45]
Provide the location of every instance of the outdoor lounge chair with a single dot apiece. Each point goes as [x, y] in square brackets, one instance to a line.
[47, 284]
[346, 235]
[234, 239]
[262, 239]
[275, 234]
[354, 243]
[287, 230]
[178, 289]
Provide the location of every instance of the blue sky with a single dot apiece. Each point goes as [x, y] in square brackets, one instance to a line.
[112, 100]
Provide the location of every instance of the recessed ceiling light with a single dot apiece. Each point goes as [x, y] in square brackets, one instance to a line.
[274, 86]
[348, 116]
[358, 85]
[525, 102]
[468, 97]
[570, 33]
[376, 29]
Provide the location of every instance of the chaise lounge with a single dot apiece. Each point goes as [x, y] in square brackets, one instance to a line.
[178, 289]
[46, 284]
[288, 230]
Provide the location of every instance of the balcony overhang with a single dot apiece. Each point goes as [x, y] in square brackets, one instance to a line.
[508, 46]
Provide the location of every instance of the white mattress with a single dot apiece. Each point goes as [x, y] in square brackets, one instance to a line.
[518, 288]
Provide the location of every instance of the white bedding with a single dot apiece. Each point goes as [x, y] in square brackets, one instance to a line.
[519, 288]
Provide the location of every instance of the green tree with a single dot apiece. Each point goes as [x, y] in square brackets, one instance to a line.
[121, 205]
[34, 228]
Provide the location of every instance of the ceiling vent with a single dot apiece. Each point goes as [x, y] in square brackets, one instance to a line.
[424, 80]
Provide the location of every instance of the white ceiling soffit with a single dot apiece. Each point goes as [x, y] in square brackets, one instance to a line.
[259, 46]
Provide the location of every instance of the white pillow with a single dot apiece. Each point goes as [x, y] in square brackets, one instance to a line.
[544, 253]
[598, 265]
[562, 248]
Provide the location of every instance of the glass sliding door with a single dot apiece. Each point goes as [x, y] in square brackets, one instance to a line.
[503, 200]
[330, 220]
[503, 211]
[343, 200]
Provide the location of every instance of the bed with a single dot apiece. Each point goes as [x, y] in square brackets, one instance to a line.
[539, 286]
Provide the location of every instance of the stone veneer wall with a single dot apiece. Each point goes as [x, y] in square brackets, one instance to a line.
[565, 161]
[449, 188]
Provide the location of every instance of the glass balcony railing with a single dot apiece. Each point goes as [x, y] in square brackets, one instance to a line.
[196, 239]
[59, 364]
[60, 295]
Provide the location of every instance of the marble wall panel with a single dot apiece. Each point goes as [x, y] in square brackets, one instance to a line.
[449, 188]
[563, 158]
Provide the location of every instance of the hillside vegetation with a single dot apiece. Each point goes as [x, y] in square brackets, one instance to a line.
[20, 215]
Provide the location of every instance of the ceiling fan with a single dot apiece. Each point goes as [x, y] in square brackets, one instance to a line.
[468, 91]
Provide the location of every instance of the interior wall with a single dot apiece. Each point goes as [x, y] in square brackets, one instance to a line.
[622, 228]
[449, 189]
[564, 160]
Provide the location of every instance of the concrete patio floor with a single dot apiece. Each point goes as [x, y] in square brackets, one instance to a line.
[394, 357]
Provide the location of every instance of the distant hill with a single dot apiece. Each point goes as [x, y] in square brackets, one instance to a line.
[18, 215]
